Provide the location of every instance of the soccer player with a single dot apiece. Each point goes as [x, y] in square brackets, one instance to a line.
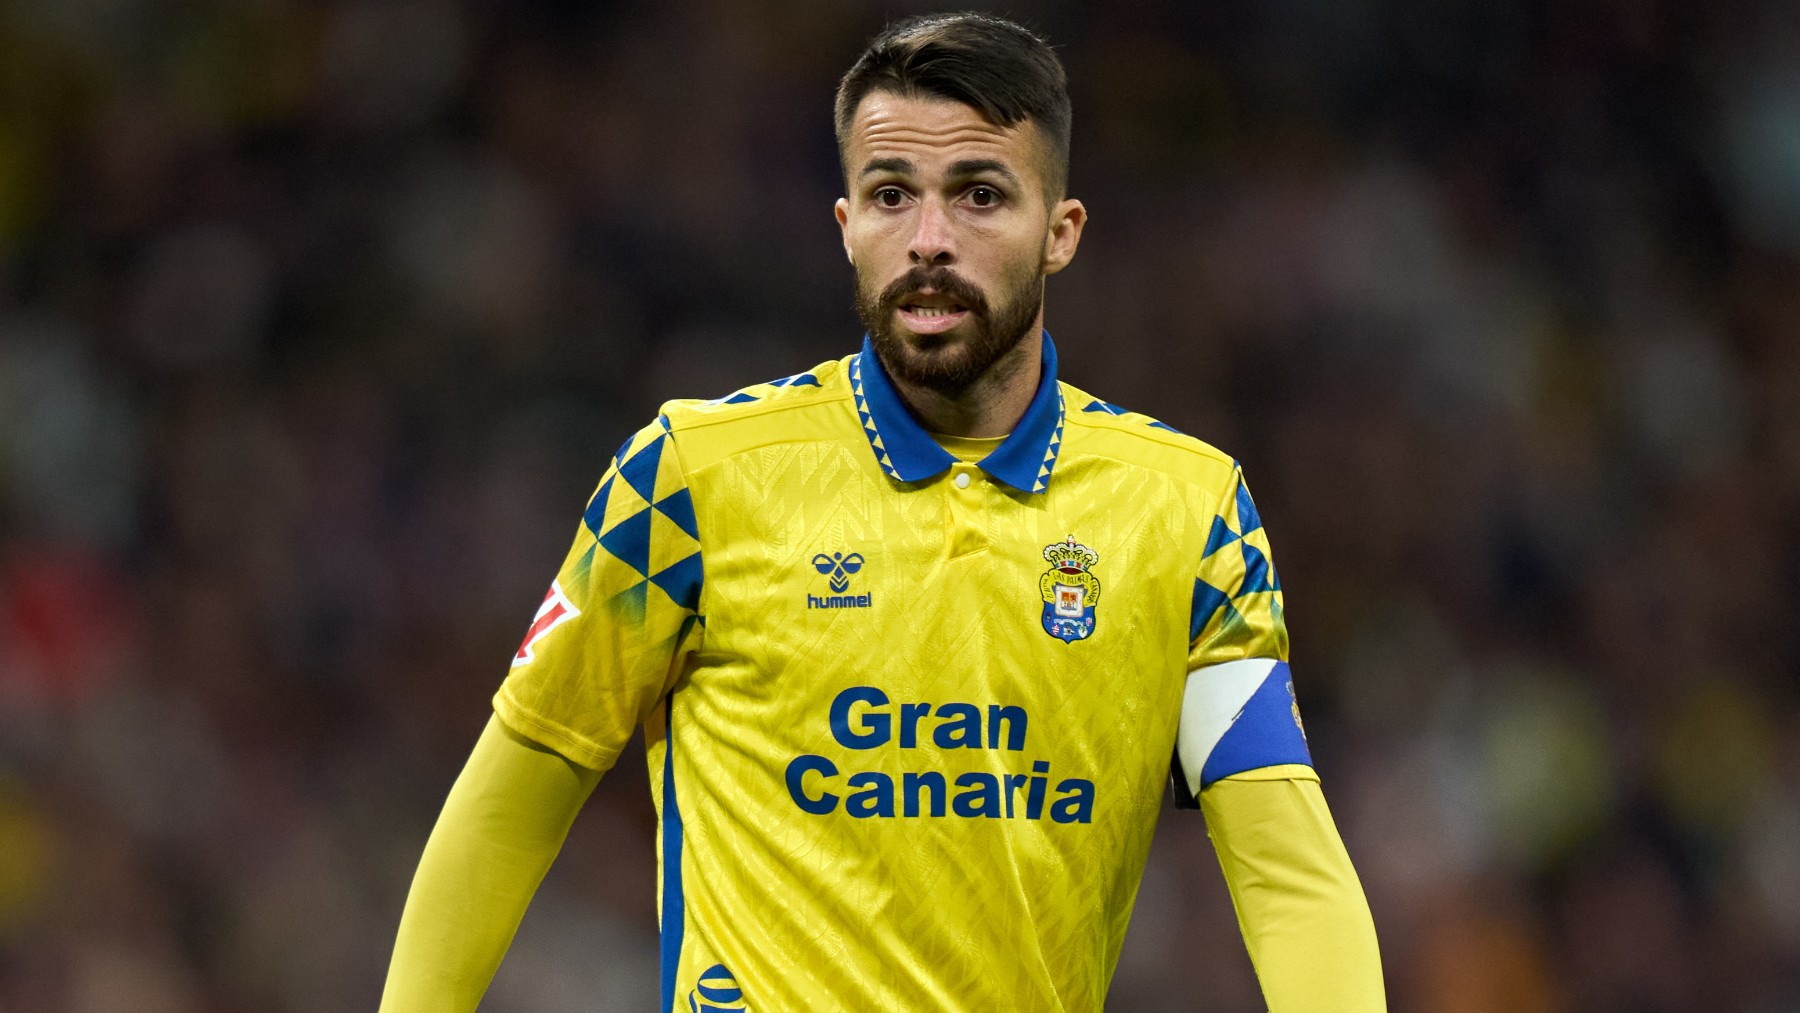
[916, 636]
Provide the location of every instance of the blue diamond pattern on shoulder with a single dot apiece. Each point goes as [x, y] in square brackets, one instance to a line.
[745, 397]
[1107, 407]
[629, 540]
[1207, 600]
[736, 397]
[678, 506]
[640, 471]
[1259, 576]
[595, 515]
[1248, 519]
[1220, 536]
[681, 582]
[1232, 617]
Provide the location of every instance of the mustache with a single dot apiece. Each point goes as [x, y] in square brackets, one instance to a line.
[941, 280]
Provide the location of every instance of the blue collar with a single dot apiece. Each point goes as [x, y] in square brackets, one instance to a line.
[907, 452]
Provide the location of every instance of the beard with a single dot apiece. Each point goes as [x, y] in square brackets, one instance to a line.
[949, 364]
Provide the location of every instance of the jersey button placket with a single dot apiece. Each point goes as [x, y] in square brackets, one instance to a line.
[968, 523]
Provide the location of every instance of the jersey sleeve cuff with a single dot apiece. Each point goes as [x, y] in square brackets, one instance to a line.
[571, 745]
[1275, 772]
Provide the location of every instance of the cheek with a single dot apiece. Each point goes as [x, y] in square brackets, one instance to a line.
[1010, 256]
[1004, 236]
[873, 237]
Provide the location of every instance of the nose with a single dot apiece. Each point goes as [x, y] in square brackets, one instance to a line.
[932, 242]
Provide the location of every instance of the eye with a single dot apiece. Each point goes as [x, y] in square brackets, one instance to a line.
[890, 197]
[984, 196]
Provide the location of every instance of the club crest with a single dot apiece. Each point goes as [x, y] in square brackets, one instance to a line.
[1070, 590]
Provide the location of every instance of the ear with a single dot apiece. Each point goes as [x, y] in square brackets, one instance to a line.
[842, 210]
[1067, 219]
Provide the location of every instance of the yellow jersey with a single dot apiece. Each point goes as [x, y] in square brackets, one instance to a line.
[908, 716]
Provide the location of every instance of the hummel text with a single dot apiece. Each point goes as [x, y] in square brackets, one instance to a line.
[839, 601]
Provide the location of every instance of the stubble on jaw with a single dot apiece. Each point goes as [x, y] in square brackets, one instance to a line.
[951, 365]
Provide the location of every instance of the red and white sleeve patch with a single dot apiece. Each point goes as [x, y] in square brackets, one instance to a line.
[556, 610]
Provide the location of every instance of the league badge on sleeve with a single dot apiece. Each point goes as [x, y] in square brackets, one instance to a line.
[1070, 590]
[556, 610]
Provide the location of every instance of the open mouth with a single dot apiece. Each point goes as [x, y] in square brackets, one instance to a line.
[931, 315]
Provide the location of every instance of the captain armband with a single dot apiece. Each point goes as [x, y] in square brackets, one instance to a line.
[1236, 716]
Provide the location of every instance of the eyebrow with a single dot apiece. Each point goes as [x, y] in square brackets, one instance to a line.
[959, 170]
[894, 165]
[976, 166]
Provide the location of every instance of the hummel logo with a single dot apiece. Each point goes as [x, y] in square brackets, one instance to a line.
[839, 568]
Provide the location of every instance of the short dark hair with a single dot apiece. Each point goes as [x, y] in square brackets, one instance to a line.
[1001, 69]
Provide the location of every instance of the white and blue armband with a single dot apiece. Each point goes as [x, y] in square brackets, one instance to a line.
[1235, 716]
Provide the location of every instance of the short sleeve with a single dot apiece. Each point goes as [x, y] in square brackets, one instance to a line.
[610, 636]
[1237, 606]
[1238, 709]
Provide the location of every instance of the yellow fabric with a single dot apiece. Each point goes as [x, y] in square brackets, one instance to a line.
[884, 779]
[501, 827]
[586, 681]
[968, 448]
[1249, 620]
[1302, 911]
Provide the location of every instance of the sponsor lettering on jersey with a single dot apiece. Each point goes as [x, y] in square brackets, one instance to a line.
[863, 718]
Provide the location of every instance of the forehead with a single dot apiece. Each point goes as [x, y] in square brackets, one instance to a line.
[931, 131]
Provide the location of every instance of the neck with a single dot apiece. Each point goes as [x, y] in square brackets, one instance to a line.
[993, 404]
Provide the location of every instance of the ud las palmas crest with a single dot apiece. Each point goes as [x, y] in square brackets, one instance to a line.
[1070, 591]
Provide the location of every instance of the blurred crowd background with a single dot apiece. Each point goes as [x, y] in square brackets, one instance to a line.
[319, 321]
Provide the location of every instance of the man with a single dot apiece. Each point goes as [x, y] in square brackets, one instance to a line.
[915, 636]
